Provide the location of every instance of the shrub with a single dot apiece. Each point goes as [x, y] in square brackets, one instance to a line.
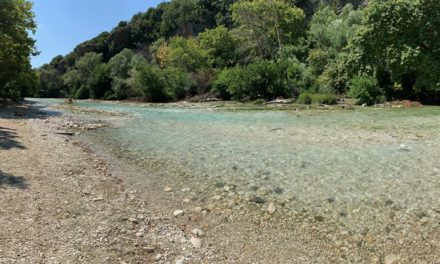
[319, 98]
[227, 80]
[82, 93]
[147, 81]
[327, 98]
[259, 80]
[178, 83]
[365, 89]
[305, 98]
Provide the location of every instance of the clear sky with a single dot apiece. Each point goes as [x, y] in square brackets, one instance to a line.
[63, 24]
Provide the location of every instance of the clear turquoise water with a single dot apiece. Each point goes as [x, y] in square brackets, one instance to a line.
[356, 158]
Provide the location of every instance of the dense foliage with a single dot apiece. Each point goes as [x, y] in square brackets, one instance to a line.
[17, 79]
[313, 50]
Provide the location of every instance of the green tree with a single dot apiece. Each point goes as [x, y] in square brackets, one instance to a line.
[264, 26]
[400, 37]
[147, 81]
[185, 53]
[329, 35]
[16, 47]
[220, 46]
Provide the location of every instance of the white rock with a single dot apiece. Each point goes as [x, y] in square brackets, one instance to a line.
[403, 147]
[217, 197]
[271, 208]
[197, 209]
[186, 200]
[392, 259]
[197, 232]
[186, 189]
[168, 189]
[178, 213]
[196, 242]
[180, 260]
[158, 257]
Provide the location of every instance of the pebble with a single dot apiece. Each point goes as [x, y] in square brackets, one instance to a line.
[186, 200]
[158, 257]
[168, 189]
[258, 200]
[196, 242]
[178, 213]
[197, 232]
[180, 260]
[272, 208]
[392, 259]
[150, 249]
[186, 189]
[403, 147]
[197, 209]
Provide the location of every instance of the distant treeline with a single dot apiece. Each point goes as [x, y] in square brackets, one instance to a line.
[259, 49]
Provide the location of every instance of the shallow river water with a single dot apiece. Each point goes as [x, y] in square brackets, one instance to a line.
[357, 160]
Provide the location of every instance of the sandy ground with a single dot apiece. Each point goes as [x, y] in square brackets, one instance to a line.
[62, 203]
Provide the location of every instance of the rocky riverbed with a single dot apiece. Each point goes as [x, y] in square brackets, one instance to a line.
[66, 198]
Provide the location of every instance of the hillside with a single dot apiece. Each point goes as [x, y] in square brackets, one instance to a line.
[251, 50]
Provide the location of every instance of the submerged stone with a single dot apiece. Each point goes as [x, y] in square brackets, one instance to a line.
[257, 199]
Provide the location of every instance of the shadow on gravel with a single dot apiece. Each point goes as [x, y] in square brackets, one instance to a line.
[24, 109]
[7, 179]
[8, 139]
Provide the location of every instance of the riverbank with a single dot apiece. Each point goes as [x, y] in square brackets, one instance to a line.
[65, 201]
[61, 204]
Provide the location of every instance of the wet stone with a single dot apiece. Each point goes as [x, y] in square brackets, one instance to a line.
[257, 199]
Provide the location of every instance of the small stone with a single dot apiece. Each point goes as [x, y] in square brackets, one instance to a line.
[392, 259]
[178, 213]
[98, 198]
[198, 233]
[217, 198]
[134, 220]
[278, 190]
[168, 189]
[150, 249]
[158, 257]
[220, 184]
[403, 147]
[180, 260]
[197, 209]
[272, 208]
[186, 189]
[424, 220]
[196, 242]
[319, 218]
[186, 200]
[257, 199]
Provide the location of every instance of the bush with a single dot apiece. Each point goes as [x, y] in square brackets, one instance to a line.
[305, 98]
[365, 89]
[227, 80]
[82, 93]
[311, 98]
[178, 83]
[328, 99]
[148, 82]
[259, 80]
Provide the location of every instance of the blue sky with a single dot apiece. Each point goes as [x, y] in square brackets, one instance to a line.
[63, 24]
